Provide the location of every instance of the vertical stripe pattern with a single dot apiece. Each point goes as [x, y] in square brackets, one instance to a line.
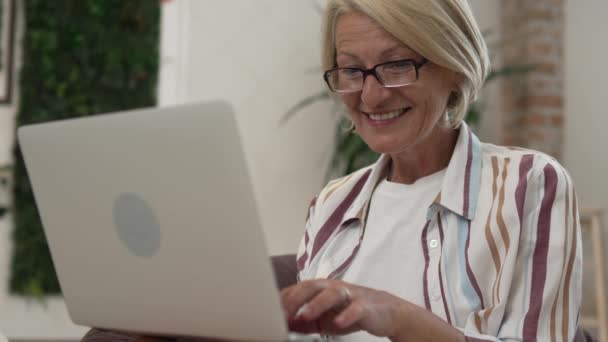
[573, 247]
[439, 265]
[539, 261]
[507, 222]
[332, 222]
[425, 250]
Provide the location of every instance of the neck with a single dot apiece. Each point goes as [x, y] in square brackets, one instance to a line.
[427, 157]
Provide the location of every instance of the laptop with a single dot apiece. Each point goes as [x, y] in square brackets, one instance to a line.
[152, 224]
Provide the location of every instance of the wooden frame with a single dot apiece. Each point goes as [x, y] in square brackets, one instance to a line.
[7, 45]
[591, 222]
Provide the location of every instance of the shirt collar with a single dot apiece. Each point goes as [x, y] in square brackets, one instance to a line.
[459, 190]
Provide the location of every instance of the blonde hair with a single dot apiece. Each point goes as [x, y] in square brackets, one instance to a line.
[443, 31]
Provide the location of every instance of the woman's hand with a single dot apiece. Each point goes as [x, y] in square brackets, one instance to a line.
[334, 307]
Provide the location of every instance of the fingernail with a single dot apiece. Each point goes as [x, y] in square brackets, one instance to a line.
[303, 310]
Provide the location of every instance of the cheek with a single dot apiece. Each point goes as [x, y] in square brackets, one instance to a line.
[351, 101]
[432, 98]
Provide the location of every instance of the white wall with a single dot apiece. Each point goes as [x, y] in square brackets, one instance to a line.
[586, 117]
[586, 75]
[487, 13]
[262, 57]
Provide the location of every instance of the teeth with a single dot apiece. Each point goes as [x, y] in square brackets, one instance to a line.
[386, 116]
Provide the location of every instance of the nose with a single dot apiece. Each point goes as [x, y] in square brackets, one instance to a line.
[373, 93]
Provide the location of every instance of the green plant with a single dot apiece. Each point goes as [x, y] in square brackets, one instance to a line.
[351, 153]
[4, 170]
[79, 58]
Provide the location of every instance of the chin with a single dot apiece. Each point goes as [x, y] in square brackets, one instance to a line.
[385, 146]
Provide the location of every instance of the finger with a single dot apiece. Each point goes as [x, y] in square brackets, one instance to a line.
[289, 300]
[300, 294]
[303, 327]
[284, 294]
[350, 316]
[334, 297]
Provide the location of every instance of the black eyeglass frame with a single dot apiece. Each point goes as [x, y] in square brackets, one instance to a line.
[372, 71]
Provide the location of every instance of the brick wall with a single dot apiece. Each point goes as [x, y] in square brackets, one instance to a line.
[534, 104]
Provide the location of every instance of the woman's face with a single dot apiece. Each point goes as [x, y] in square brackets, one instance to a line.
[421, 106]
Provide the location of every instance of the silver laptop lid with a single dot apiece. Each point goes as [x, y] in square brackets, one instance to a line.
[152, 224]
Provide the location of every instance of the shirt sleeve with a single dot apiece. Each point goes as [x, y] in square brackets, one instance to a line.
[304, 250]
[546, 284]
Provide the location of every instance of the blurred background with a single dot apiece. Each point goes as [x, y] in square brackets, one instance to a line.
[67, 58]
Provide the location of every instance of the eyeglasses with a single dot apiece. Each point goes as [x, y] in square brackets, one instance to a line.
[390, 75]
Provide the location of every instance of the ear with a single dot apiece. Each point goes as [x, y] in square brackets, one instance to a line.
[454, 97]
[455, 81]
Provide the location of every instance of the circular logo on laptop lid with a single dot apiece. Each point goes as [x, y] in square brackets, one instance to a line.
[136, 225]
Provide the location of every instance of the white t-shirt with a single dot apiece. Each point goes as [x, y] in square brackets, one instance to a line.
[390, 257]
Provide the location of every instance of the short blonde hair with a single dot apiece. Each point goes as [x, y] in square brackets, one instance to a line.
[443, 31]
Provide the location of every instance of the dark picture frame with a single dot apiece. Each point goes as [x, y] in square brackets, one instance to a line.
[7, 43]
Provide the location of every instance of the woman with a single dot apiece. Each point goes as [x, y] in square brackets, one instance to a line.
[444, 238]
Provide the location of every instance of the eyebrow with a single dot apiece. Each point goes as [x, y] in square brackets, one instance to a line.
[383, 54]
[396, 48]
[340, 53]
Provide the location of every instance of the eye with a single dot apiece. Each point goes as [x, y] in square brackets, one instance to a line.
[398, 66]
[349, 72]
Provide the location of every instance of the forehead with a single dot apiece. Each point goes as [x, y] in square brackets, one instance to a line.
[356, 33]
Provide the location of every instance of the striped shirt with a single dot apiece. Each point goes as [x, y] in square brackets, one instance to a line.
[509, 262]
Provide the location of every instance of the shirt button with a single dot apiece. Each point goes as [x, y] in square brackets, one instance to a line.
[433, 243]
[436, 298]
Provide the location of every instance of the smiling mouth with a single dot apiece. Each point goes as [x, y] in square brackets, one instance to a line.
[387, 115]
